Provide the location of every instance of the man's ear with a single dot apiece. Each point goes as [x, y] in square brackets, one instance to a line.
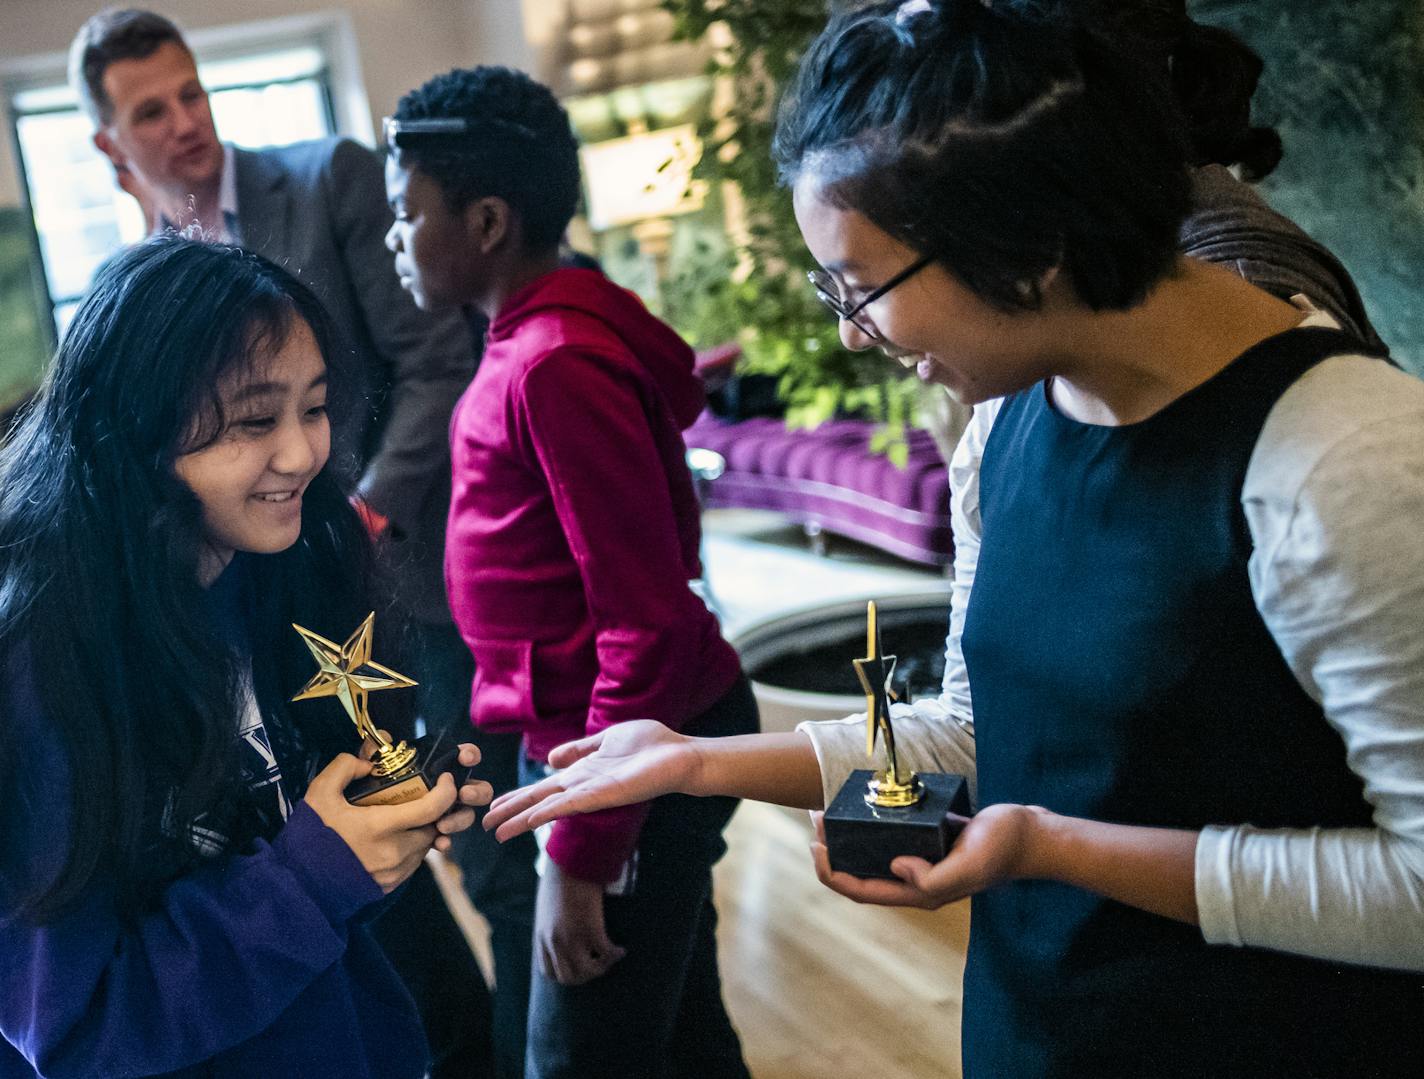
[488, 223]
[104, 143]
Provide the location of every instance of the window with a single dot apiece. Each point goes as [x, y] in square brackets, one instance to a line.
[260, 98]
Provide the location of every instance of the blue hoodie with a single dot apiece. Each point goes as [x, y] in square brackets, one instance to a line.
[256, 964]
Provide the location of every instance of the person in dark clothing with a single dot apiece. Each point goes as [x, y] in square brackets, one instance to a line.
[184, 889]
[1183, 669]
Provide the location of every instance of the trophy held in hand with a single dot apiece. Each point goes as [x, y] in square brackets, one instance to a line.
[400, 771]
[881, 814]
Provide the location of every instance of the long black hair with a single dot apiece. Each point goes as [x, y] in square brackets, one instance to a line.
[1002, 141]
[100, 545]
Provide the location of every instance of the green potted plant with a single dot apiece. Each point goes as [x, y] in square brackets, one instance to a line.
[755, 290]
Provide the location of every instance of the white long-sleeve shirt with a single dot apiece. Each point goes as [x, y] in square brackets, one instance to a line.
[1334, 499]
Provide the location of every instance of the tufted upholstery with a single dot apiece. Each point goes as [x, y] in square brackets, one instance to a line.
[829, 477]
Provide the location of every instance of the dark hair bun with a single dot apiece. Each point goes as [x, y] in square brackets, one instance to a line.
[1003, 143]
[1214, 74]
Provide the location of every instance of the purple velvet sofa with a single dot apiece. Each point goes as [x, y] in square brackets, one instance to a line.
[828, 478]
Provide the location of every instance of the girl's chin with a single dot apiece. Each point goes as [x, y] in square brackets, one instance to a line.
[933, 373]
[269, 540]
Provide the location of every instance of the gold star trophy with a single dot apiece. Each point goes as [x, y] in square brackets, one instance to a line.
[880, 814]
[400, 772]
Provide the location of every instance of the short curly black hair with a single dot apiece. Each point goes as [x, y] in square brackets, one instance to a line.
[519, 148]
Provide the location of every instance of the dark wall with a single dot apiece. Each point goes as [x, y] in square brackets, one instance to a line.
[1344, 85]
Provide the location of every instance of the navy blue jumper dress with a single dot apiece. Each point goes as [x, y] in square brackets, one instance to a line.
[1120, 671]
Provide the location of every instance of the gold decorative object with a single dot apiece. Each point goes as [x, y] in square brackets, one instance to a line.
[399, 772]
[891, 786]
[348, 673]
[881, 814]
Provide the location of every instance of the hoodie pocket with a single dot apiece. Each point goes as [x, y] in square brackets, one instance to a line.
[502, 694]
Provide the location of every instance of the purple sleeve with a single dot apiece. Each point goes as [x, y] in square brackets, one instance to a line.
[224, 951]
[610, 490]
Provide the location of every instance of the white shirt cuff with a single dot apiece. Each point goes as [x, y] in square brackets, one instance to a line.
[1216, 905]
[840, 750]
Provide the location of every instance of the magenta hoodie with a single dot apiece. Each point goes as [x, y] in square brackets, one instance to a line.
[574, 532]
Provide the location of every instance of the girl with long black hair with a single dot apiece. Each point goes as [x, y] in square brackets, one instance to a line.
[1187, 635]
[183, 887]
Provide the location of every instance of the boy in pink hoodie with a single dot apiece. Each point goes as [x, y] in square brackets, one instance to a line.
[573, 533]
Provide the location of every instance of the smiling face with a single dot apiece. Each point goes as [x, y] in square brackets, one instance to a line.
[436, 257]
[250, 480]
[929, 321]
[160, 126]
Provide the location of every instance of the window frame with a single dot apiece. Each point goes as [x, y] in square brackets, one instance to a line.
[342, 97]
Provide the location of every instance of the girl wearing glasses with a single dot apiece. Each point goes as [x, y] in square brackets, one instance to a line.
[1187, 636]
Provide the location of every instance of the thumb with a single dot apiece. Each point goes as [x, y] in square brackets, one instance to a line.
[427, 809]
[913, 871]
[603, 944]
[335, 777]
[818, 824]
[368, 744]
[565, 755]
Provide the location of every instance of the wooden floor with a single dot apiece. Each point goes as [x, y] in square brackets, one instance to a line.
[819, 986]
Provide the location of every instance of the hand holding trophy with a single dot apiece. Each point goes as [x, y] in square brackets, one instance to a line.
[400, 772]
[879, 815]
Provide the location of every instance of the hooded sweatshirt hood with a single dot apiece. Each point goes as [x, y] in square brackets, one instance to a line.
[665, 356]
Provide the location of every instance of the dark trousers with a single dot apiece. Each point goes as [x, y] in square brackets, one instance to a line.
[498, 877]
[423, 942]
[417, 931]
[658, 1012]
[502, 884]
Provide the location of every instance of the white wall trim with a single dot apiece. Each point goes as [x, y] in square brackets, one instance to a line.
[331, 30]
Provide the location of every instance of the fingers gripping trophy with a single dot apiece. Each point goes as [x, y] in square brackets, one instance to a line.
[881, 814]
[400, 771]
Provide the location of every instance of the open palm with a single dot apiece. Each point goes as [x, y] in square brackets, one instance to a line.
[627, 763]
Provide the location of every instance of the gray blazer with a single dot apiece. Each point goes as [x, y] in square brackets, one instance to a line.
[319, 209]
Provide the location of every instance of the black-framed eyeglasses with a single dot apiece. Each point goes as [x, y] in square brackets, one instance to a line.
[829, 295]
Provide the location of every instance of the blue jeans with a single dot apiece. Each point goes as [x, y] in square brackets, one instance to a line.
[658, 1012]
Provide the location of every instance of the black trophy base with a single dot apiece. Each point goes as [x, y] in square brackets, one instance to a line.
[863, 839]
[435, 754]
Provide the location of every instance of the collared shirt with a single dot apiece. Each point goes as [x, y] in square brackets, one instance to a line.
[230, 231]
[227, 198]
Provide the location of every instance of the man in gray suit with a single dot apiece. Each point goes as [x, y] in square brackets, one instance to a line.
[319, 209]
